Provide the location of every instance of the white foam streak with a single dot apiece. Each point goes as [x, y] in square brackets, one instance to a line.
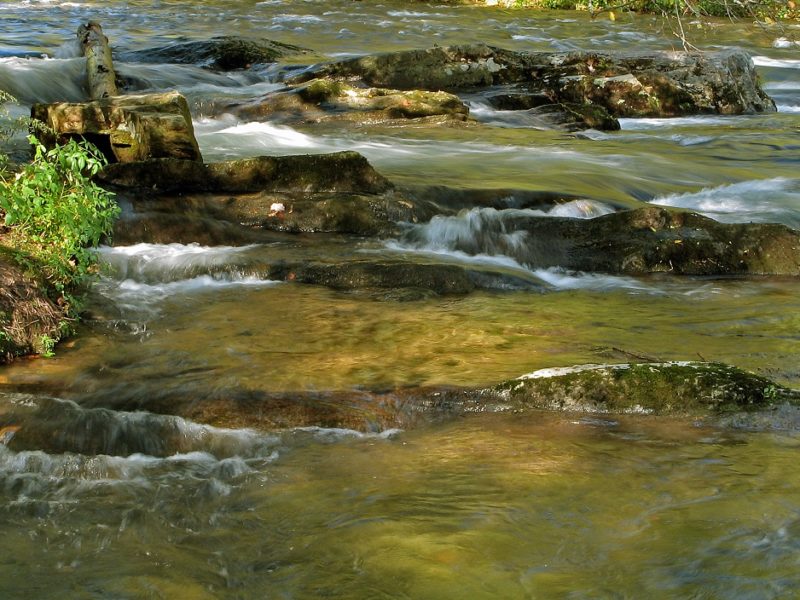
[645, 124]
[783, 42]
[764, 200]
[164, 262]
[765, 61]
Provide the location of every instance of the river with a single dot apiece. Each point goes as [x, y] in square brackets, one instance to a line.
[105, 494]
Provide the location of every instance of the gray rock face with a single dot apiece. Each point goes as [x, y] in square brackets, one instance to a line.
[126, 128]
[658, 84]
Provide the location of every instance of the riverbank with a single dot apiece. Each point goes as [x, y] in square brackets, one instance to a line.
[766, 12]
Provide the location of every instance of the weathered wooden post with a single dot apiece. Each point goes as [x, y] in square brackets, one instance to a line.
[100, 73]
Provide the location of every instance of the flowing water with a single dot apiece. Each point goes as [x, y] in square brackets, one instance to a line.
[105, 494]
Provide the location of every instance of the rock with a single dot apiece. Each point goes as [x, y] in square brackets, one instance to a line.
[328, 99]
[656, 84]
[564, 117]
[673, 388]
[706, 390]
[655, 239]
[126, 128]
[29, 320]
[224, 53]
[664, 84]
[428, 278]
[234, 219]
[650, 239]
[357, 214]
[336, 172]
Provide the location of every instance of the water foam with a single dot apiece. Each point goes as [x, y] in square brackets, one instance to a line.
[32, 80]
[139, 278]
[761, 200]
[766, 61]
[480, 237]
[159, 263]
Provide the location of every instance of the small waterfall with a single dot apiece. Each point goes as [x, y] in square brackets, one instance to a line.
[492, 232]
[137, 278]
[32, 80]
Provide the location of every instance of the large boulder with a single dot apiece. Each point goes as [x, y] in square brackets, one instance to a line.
[202, 218]
[650, 239]
[655, 84]
[224, 53]
[126, 128]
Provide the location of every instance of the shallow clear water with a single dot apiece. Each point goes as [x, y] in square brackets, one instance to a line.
[101, 498]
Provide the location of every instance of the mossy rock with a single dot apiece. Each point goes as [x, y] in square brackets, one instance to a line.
[325, 99]
[625, 83]
[371, 275]
[673, 388]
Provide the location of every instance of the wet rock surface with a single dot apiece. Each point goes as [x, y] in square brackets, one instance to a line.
[711, 391]
[223, 53]
[650, 239]
[329, 99]
[658, 84]
[126, 129]
[337, 172]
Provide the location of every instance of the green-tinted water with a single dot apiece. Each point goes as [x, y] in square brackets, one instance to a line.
[490, 506]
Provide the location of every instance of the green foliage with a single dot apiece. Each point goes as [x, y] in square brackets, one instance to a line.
[56, 213]
[46, 346]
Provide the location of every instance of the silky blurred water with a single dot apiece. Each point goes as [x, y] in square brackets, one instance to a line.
[101, 497]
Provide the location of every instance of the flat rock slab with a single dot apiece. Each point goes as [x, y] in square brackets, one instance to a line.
[656, 84]
[336, 172]
[334, 100]
[126, 128]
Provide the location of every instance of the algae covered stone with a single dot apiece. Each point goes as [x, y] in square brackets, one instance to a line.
[671, 388]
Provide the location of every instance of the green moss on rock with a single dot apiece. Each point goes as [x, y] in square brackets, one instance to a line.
[677, 388]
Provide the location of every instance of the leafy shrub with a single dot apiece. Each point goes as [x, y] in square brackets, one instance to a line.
[55, 213]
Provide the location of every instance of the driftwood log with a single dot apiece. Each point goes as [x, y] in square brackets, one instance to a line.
[100, 74]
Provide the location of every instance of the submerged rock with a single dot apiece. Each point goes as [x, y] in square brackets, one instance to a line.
[657, 84]
[224, 53]
[336, 172]
[395, 275]
[680, 388]
[125, 128]
[704, 390]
